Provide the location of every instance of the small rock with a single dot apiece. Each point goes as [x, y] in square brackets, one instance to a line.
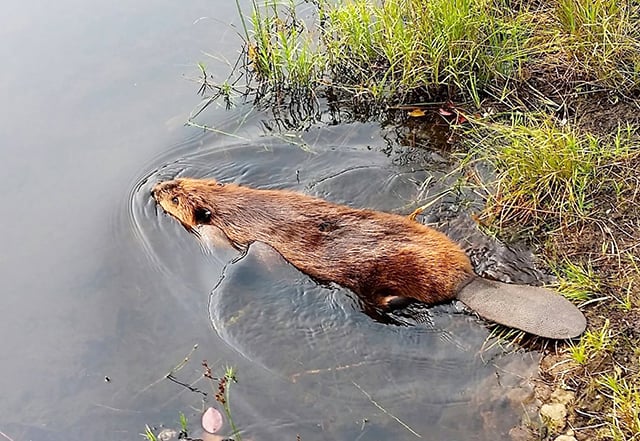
[562, 396]
[167, 435]
[520, 433]
[565, 438]
[554, 414]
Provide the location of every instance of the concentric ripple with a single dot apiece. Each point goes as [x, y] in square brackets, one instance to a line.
[316, 337]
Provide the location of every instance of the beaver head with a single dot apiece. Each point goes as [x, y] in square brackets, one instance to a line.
[184, 199]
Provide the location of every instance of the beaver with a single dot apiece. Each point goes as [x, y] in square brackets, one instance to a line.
[386, 259]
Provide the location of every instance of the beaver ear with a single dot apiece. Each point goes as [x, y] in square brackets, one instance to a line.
[202, 215]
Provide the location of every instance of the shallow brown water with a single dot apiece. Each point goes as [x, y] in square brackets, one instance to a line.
[97, 283]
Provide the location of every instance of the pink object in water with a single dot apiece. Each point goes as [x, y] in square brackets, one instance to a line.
[211, 420]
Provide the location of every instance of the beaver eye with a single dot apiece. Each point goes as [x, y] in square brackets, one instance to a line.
[175, 200]
[202, 216]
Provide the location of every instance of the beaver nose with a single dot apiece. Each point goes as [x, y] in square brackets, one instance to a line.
[156, 190]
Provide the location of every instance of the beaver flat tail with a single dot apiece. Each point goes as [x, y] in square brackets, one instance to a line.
[535, 310]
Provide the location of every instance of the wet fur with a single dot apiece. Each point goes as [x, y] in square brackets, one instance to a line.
[381, 257]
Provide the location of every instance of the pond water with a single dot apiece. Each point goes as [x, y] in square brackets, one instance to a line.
[103, 295]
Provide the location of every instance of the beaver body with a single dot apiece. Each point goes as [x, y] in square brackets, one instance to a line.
[379, 256]
[384, 258]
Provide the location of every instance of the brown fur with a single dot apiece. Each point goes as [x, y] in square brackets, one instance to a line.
[379, 256]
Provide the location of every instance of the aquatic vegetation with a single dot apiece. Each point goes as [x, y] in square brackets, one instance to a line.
[361, 56]
[223, 396]
[211, 419]
[149, 434]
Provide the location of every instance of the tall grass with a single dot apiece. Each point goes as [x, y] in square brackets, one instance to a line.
[461, 45]
[356, 54]
[383, 49]
[544, 171]
[284, 64]
[623, 421]
[603, 38]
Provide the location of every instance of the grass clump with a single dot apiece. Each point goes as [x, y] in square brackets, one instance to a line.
[624, 417]
[603, 38]
[283, 56]
[149, 434]
[405, 45]
[577, 282]
[546, 173]
[594, 343]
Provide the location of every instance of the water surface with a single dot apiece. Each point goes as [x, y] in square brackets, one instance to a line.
[97, 284]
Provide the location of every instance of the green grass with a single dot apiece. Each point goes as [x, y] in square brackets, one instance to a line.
[281, 49]
[623, 420]
[403, 45]
[577, 282]
[603, 38]
[593, 343]
[184, 425]
[364, 55]
[545, 172]
[360, 52]
[611, 381]
[221, 388]
[223, 396]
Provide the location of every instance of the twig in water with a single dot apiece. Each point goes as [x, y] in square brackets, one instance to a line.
[175, 369]
[295, 376]
[188, 386]
[385, 411]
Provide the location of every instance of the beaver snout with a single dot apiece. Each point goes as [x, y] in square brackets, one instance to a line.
[161, 187]
[157, 188]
